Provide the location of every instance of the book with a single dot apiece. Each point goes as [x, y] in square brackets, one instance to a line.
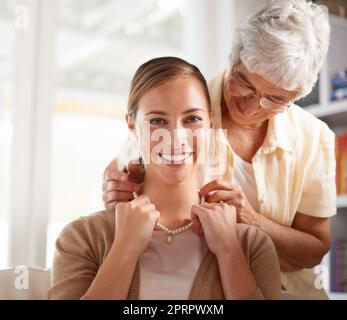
[341, 164]
[339, 83]
[338, 264]
[338, 94]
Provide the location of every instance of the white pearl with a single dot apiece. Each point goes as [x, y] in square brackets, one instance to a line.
[171, 233]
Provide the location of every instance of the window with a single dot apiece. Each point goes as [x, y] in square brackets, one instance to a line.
[6, 86]
[100, 45]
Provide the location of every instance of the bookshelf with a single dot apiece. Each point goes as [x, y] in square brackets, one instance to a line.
[342, 203]
[334, 113]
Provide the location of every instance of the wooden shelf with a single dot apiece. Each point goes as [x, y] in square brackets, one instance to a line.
[334, 114]
[333, 108]
[337, 296]
[341, 201]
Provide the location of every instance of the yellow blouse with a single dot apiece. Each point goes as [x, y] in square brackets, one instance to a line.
[294, 172]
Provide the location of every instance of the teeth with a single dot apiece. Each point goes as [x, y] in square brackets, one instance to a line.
[176, 158]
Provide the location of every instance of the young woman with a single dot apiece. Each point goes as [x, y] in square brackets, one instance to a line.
[166, 243]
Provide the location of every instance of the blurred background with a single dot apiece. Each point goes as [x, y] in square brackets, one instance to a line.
[65, 71]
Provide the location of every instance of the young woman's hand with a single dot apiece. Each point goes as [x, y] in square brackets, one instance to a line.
[218, 190]
[218, 222]
[135, 222]
[119, 186]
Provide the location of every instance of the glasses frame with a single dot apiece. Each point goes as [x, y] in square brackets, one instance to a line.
[263, 102]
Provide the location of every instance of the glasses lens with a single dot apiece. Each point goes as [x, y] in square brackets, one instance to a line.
[238, 89]
[272, 106]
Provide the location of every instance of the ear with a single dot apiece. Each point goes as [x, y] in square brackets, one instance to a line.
[131, 123]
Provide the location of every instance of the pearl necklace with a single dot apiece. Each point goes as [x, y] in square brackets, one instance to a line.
[169, 232]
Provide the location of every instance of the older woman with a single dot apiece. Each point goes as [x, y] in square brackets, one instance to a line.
[281, 157]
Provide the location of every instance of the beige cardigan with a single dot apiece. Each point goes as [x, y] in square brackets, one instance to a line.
[84, 244]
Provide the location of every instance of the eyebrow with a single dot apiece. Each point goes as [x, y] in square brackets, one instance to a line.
[243, 77]
[248, 83]
[166, 114]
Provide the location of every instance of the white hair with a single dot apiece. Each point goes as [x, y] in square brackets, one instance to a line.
[285, 43]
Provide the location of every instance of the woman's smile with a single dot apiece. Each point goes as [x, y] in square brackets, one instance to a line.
[175, 158]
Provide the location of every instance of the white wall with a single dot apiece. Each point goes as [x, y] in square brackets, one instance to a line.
[209, 31]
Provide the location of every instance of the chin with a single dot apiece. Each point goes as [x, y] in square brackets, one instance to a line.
[175, 174]
[240, 118]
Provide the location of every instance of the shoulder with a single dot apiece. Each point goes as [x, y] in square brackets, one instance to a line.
[308, 125]
[93, 234]
[99, 221]
[215, 87]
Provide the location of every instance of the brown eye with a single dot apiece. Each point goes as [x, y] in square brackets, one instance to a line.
[193, 119]
[157, 121]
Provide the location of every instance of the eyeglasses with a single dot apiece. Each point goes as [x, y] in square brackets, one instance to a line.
[240, 88]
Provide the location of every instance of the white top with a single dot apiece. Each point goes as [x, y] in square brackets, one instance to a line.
[243, 175]
[167, 270]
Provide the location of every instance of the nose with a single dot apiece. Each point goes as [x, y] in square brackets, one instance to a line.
[179, 137]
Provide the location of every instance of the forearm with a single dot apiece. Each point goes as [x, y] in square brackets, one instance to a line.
[114, 277]
[237, 279]
[296, 249]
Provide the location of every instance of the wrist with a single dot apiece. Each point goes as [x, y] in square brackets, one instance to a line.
[229, 258]
[257, 220]
[124, 250]
[229, 251]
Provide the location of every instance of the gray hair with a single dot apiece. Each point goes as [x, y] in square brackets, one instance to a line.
[285, 43]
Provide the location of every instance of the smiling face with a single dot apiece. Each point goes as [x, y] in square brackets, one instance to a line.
[172, 122]
[243, 92]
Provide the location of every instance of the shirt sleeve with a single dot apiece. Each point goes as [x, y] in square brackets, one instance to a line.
[319, 193]
[264, 265]
[74, 266]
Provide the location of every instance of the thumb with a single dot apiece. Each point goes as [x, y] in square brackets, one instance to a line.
[196, 227]
[135, 172]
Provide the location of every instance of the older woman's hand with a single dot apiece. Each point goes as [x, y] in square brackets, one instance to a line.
[219, 190]
[119, 186]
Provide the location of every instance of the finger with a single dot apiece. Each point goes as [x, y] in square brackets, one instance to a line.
[148, 207]
[156, 215]
[125, 186]
[117, 196]
[114, 174]
[199, 211]
[134, 172]
[141, 200]
[237, 201]
[215, 185]
[111, 205]
[111, 166]
[196, 227]
[222, 195]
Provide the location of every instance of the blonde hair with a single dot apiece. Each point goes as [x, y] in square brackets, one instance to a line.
[286, 43]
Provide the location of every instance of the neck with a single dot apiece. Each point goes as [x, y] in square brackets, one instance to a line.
[173, 201]
[250, 128]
